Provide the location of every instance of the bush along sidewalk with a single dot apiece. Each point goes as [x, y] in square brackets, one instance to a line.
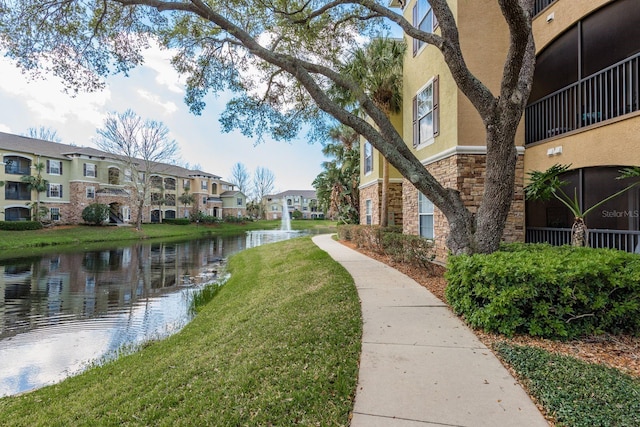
[552, 292]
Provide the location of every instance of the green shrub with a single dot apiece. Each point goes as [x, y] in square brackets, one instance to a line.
[201, 218]
[296, 214]
[410, 249]
[345, 231]
[554, 292]
[403, 248]
[20, 225]
[177, 221]
[95, 213]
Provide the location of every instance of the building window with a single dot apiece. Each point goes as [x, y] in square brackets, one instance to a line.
[185, 184]
[91, 192]
[424, 20]
[203, 185]
[54, 191]
[90, 170]
[239, 201]
[368, 212]
[55, 214]
[425, 214]
[426, 114]
[204, 200]
[15, 165]
[127, 175]
[368, 158]
[54, 167]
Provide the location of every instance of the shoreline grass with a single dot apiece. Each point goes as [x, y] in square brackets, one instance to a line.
[31, 240]
[278, 345]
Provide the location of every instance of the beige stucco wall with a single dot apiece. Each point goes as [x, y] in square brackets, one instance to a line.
[607, 143]
[565, 14]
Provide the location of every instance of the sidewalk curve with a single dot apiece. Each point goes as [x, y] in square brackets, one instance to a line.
[420, 365]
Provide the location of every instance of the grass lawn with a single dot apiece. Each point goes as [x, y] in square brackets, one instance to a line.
[73, 235]
[278, 345]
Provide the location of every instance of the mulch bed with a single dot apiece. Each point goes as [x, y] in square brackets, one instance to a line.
[620, 351]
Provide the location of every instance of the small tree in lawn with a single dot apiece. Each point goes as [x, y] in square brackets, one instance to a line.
[547, 184]
[38, 184]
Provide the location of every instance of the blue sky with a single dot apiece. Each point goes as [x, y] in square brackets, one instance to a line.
[153, 91]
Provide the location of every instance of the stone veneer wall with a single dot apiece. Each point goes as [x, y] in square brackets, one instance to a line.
[464, 172]
[374, 193]
[78, 201]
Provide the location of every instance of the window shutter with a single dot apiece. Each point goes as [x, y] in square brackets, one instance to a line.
[416, 134]
[415, 24]
[60, 190]
[60, 168]
[436, 106]
[48, 166]
[84, 169]
[48, 190]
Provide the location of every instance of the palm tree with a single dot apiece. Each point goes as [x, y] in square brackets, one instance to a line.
[337, 185]
[38, 184]
[378, 69]
[547, 184]
[186, 198]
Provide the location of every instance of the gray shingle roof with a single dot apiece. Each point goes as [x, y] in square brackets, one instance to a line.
[57, 150]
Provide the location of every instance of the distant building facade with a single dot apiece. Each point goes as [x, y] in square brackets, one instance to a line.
[303, 201]
[80, 176]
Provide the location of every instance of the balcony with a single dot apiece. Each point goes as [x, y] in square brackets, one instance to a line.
[540, 5]
[16, 191]
[628, 241]
[610, 93]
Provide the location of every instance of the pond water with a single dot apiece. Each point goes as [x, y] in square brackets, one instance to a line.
[61, 312]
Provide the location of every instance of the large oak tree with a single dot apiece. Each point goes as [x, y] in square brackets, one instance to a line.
[282, 56]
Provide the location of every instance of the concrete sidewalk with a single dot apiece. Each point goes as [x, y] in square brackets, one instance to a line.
[420, 365]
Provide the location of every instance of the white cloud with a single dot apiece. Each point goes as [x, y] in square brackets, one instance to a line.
[169, 106]
[5, 128]
[159, 60]
[46, 100]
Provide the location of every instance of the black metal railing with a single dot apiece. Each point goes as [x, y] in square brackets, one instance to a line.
[612, 92]
[539, 5]
[628, 241]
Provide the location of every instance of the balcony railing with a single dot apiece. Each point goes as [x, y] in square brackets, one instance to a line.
[612, 92]
[628, 241]
[540, 4]
[17, 195]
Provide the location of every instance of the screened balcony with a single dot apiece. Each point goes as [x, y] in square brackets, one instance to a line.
[539, 5]
[588, 75]
[16, 191]
[15, 165]
[611, 93]
[615, 224]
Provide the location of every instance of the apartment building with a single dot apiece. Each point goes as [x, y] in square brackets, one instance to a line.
[79, 176]
[583, 111]
[304, 201]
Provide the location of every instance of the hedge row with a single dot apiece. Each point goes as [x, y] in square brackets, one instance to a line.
[177, 221]
[553, 292]
[20, 225]
[409, 249]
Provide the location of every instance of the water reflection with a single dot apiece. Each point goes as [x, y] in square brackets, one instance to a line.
[60, 312]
